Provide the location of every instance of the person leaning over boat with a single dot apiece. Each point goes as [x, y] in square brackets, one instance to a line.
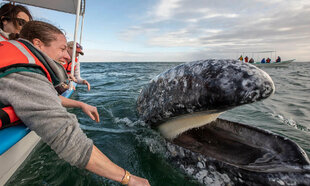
[27, 74]
[77, 76]
[13, 18]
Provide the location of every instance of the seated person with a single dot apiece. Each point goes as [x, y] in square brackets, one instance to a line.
[77, 77]
[251, 60]
[263, 60]
[246, 59]
[241, 58]
[13, 18]
[268, 60]
[278, 59]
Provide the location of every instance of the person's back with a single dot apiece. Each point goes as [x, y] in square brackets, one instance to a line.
[251, 60]
[278, 59]
[246, 59]
[268, 60]
[263, 60]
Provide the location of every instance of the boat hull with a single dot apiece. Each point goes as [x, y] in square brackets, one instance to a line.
[239, 154]
[16, 155]
[18, 144]
[273, 64]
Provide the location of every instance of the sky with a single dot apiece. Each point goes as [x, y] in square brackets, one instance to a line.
[188, 30]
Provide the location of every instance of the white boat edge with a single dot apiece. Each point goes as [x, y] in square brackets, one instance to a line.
[274, 64]
[16, 155]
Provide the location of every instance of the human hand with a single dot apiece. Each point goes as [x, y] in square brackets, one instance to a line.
[86, 83]
[138, 181]
[91, 111]
[72, 78]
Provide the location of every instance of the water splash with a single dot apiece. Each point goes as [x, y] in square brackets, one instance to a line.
[102, 129]
[290, 122]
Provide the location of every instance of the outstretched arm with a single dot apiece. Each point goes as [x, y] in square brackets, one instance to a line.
[91, 111]
[103, 166]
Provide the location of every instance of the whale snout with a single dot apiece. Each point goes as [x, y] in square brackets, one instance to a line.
[202, 86]
[237, 83]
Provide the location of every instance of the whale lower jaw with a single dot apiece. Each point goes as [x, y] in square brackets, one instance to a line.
[176, 126]
[230, 153]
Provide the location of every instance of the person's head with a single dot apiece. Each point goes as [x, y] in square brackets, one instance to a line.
[13, 17]
[79, 49]
[48, 38]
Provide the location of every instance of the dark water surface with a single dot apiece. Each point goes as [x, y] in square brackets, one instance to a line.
[132, 145]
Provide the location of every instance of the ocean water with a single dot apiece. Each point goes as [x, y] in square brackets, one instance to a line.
[130, 143]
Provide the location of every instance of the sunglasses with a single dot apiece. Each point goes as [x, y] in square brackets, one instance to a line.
[19, 21]
[79, 46]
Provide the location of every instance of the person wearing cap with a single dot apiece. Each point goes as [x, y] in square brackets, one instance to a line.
[77, 76]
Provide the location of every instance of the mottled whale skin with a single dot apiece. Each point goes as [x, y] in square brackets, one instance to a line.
[204, 85]
[220, 152]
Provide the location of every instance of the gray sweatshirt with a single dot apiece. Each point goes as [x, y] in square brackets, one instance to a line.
[37, 104]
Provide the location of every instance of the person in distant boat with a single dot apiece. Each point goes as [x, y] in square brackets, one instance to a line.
[27, 81]
[241, 58]
[278, 59]
[12, 19]
[246, 59]
[268, 60]
[77, 77]
[251, 60]
[263, 60]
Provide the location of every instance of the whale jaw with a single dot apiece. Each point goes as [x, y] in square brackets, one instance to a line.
[235, 153]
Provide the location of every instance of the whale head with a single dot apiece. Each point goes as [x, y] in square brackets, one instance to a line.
[193, 94]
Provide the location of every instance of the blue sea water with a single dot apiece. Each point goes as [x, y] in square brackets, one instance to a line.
[130, 143]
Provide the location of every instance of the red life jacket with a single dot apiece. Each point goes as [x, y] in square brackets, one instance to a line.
[16, 57]
[8, 117]
[68, 65]
[2, 38]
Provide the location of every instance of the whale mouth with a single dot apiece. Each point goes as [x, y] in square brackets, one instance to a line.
[176, 126]
[242, 146]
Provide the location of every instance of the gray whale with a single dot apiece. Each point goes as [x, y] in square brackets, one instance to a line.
[200, 88]
[191, 96]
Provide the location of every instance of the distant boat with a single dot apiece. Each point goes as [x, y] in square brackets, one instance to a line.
[257, 56]
[273, 64]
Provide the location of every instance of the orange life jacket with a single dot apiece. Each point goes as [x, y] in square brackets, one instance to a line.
[68, 65]
[8, 117]
[17, 57]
